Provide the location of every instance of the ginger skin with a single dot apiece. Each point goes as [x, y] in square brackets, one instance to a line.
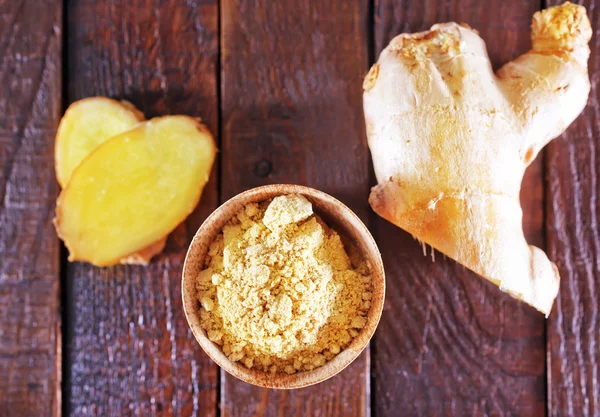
[451, 140]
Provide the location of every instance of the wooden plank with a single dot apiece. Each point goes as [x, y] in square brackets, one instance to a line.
[449, 342]
[129, 348]
[291, 104]
[30, 105]
[573, 211]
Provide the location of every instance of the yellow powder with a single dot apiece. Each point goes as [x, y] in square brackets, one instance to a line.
[279, 292]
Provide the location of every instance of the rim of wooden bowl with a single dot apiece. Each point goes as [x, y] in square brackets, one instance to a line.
[340, 218]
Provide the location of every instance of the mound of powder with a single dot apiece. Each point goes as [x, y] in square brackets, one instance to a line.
[279, 292]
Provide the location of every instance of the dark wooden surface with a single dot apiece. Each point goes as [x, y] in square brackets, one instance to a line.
[128, 345]
[280, 83]
[572, 233]
[30, 107]
[300, 115]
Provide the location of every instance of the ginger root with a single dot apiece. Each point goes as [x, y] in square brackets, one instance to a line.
[134, 189]
[87, 124]
[451, 140]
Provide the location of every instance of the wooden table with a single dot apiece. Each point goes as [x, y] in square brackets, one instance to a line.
[279, 83]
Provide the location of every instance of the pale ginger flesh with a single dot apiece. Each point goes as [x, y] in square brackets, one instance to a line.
[87, 124]
[451, 140]
[134, 189]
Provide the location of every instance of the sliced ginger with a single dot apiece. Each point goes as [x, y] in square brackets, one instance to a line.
[450, 140]
[86, 125]
[134, 189]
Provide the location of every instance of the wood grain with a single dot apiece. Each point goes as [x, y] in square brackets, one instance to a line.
[130, 351]
[573, 240]
[30, 105]
[291, 106]
[450, 343]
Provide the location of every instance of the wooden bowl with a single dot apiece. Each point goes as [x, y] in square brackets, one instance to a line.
[337, 216]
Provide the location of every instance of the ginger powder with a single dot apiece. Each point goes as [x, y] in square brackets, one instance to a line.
[279, 292]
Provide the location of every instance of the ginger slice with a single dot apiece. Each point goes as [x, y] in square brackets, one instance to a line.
[86, 125]
[134, 189]
[451, 140]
